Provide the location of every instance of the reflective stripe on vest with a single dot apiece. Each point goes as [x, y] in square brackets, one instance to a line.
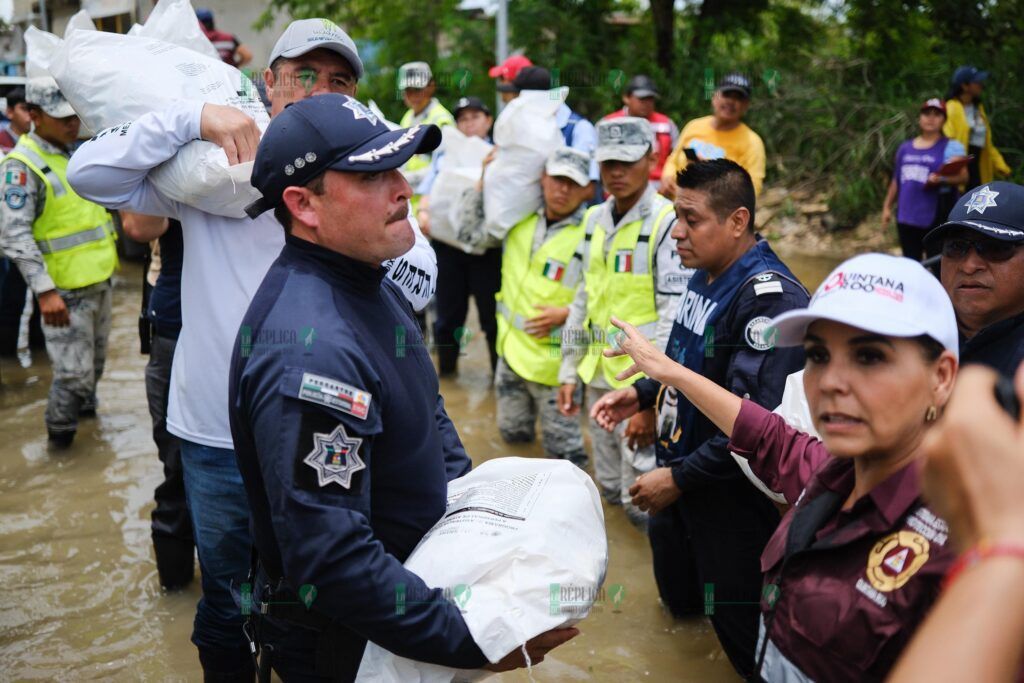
[74, 235]
[776, 666]
[50, 246]
[547, 276]
[40, 164]
[630, 265]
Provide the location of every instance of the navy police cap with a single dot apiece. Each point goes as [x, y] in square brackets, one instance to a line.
[334, 132]
[995, 210]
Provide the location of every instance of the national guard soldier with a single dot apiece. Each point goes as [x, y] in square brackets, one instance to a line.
[631, 270]
[541, 266]
[342, 439]
[416, 83]
[64, 247]
[708, 523]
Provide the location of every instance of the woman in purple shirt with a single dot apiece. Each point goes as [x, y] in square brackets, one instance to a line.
[925, 196]
[857, 561]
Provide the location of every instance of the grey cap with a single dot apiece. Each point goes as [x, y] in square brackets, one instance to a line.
[306, 35]
[627, 138]
[414, 75]
[44, 93]
[570, 163]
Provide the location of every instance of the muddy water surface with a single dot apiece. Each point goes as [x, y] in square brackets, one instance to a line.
[79, 598]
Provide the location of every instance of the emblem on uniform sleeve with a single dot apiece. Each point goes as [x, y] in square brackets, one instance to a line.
[334, 394]
[16, 176]
[896, 558]
[15, 197]
[759, 334]
[335, 457]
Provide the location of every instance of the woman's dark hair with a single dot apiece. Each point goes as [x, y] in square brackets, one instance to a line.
[932, 349]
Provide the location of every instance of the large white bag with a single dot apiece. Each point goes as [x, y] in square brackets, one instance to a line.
[111, 78]
[514, 529]
[174, 21]
[525, 133]
[795, 411]
[460, 169]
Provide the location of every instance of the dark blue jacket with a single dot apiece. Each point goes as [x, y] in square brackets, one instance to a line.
[345, 449]
[733, 362]
[164, 307]
[999, 346]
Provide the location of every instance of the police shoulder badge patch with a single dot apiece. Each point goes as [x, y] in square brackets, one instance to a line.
[896, 558]
[335, 457]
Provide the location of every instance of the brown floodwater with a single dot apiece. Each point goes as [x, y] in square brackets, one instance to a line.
[79, 597]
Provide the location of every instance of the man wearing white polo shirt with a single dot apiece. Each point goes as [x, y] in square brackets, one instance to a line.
[224, 262]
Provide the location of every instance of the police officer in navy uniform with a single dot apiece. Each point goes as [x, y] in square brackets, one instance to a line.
[982, 269]
[708, 523]
[342, 439]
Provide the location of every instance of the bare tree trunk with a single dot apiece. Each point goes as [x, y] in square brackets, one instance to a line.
[664, 33]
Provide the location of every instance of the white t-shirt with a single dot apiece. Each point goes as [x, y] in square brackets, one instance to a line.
[223, 262]
[977, 125]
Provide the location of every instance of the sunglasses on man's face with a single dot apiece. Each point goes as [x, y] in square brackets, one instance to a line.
[995, 251]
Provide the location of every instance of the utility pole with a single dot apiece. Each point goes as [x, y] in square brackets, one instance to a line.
[501, 45]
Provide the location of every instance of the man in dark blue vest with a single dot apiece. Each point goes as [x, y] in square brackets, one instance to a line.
[708, 523]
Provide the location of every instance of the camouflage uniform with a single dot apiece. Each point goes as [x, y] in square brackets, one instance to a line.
[77, 352]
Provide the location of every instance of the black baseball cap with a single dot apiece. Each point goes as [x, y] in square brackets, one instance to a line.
[470, 103]
[995, 210]
[735, 82]
[331, 131]
[642, 86]
[528, 78]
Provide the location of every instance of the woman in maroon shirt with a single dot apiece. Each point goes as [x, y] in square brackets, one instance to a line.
[858, 560]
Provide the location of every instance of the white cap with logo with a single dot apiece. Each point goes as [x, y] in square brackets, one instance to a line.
[306, 35]
[878, 293]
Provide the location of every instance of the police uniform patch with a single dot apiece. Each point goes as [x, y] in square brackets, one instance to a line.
[334, 394]
[335, 457]
[767, 283]
[896, 558]
[15, 197]
[759, 334]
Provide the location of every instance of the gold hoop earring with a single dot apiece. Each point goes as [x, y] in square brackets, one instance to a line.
[932, 414]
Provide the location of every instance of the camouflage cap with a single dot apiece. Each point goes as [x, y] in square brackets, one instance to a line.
[45, 94]
[414, 75]
[570, 163]
[627, 138]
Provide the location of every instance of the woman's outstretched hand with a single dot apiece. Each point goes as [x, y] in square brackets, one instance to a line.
[645, 355]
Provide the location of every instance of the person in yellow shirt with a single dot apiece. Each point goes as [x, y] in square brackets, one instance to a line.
[721, 135]
[966, 122]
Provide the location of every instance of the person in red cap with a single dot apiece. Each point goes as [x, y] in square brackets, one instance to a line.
[506, 72]
[925, 174]
[640, 99]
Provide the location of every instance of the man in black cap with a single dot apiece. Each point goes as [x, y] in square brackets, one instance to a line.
[313, 422]
[723, 135]
[982, 271]
[640, 97]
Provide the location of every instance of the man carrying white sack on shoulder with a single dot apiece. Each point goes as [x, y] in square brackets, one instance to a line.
[224, 262]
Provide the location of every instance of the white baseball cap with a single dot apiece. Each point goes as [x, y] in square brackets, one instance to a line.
[887, 295]
[306, 35]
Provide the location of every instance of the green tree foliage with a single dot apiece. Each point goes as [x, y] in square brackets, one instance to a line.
[837, 84]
